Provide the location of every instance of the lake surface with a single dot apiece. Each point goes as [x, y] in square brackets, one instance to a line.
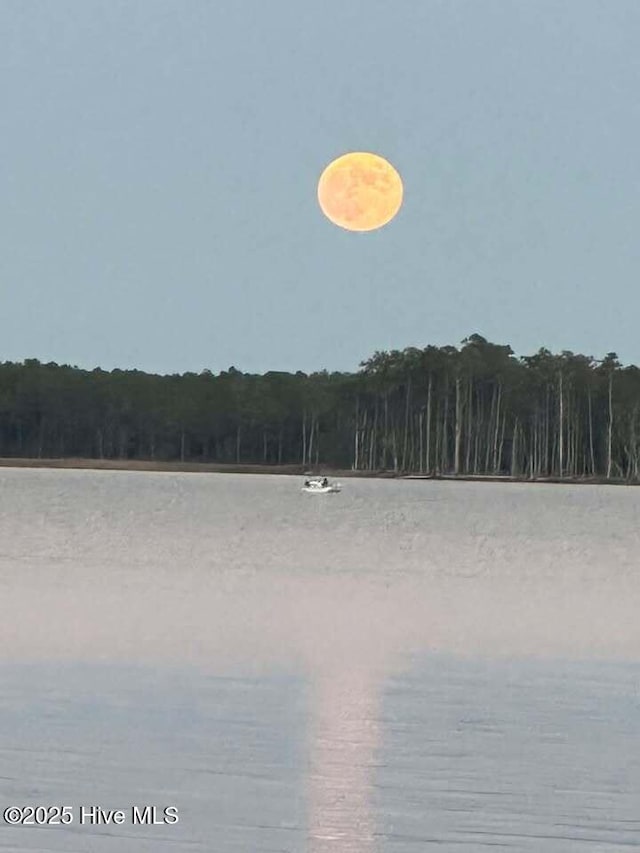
[406, 665]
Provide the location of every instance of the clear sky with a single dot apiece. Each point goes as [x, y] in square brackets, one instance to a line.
[159, 162]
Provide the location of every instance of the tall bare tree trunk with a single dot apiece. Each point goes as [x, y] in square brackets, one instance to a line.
[534, 449]
[634, 445]
[374, 439]
[591, 453]
[490, 431]
[501, 445]
[560, 426]
[428, 449]
[310, 447]
[437, 456]
[445, 429]
[385, 440]
[496, 460]
[458, 427]
[406, 425]
[304, 438]
[356, 436]
[514, 450]
[394, 439]
[363, 439]
[548, 460]
[610, 431]
[476, 448]
[467, 462]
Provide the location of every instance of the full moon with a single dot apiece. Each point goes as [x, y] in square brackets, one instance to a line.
[360, 191]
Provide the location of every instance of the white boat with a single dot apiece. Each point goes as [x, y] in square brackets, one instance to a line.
[320, 486]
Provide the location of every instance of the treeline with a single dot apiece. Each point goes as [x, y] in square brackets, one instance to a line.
[476, 409]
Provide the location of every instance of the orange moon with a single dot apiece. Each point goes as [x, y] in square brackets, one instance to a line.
[360, 191]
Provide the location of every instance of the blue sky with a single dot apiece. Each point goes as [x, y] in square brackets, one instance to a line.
[159, 162]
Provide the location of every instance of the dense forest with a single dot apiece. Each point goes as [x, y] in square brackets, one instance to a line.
[476, 409]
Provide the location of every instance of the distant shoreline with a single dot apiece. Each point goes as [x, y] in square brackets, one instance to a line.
[291, 470]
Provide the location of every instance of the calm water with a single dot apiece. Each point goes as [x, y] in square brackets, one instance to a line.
[402, 666]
